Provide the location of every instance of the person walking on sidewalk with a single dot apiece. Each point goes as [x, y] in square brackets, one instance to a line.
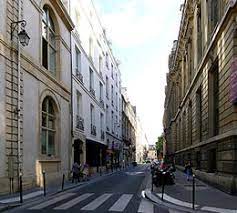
[75, 172]
[188, 170]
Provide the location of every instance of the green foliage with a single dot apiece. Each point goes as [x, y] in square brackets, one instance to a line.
[159, 144]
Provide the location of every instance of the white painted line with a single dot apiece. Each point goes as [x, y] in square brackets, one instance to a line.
[220, 210]
[73, 202]
[176, 201]
[97, 202]
[25, 197]
[52, 201]
[121, 203]
[146, 206]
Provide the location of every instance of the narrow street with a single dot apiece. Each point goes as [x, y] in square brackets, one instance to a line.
[120, 192]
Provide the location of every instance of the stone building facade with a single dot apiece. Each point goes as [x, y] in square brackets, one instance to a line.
[96, 86]
[129, 128]
[35, 92]
[200, 119]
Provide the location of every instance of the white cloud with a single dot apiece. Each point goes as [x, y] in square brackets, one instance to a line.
[138, 23]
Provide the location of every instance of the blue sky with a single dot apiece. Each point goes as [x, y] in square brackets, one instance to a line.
[142, 34]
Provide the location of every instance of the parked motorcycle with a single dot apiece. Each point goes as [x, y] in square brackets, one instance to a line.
[166, 174]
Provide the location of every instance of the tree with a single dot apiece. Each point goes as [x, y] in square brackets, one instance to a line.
[159, 144]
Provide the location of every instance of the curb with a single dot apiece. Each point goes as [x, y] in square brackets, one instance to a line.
[155, 199]
[199, 209]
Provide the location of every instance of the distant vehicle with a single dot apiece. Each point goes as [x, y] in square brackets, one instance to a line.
[148, 161]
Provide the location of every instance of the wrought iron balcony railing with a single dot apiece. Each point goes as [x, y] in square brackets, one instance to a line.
[92, 91]
[79, 123]
[93, 129]
[102, 135]
[79, 76]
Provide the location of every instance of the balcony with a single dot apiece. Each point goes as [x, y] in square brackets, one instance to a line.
[102, 103]
[92, 91]
[93, 130]
[80, 123]
[79, 76]
[102, 135]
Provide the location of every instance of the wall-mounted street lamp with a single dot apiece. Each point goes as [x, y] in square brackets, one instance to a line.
[24, 38]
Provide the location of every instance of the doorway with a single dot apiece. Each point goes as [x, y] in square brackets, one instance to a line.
[78, 151]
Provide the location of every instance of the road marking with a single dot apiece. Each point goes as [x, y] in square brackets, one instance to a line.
[25, 197]
[146, 206]
[214, 209]
[73, 202]
[52, 201]
[121, 203]
[97, 202]
[176, 201]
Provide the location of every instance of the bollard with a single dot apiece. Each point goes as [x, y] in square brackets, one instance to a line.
[44, 183]
[20, 184]
[163, 185]
[193, 192]
[63, 181]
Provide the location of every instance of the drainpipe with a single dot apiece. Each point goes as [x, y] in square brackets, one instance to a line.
[71, 135]
[19, 95]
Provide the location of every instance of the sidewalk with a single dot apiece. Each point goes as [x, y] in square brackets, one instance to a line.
[207, 198]
[13, 200]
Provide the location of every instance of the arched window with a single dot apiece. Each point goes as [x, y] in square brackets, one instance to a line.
[48, 129]
[48, 42]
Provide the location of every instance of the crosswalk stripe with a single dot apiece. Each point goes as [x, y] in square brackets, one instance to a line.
[97, 202]
[145, 207]
[121, 203]
[52, 201]
[73, 202]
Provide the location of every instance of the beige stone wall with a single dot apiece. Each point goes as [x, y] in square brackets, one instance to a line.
[190, 141]
[36, 83]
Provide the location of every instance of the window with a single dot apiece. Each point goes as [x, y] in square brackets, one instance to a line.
[107, 116]
[213, 100]
[91, 53]
[116, 79]
[112, 71]
[107, 87]
[78, 103]
[92, 114]
[112, 121]
[91, 79]
[100, 64]
[214, 13]
[101, 91]
[116, 101]
[78, 60]
[199, 114]
[190, 123]
[48, 128]
[102, 121]
[199, 33]
[48, 42]
[107, 60]
[112, 94]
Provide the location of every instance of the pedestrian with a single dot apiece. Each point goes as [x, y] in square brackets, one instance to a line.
[75, 172]
[188, 170]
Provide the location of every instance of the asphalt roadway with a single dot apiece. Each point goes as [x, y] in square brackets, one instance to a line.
[120, 192]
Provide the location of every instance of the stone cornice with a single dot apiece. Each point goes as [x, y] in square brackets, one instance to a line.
[62, 12]
[231, 133]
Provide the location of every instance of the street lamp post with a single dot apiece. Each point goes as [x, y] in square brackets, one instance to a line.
[23, 39]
